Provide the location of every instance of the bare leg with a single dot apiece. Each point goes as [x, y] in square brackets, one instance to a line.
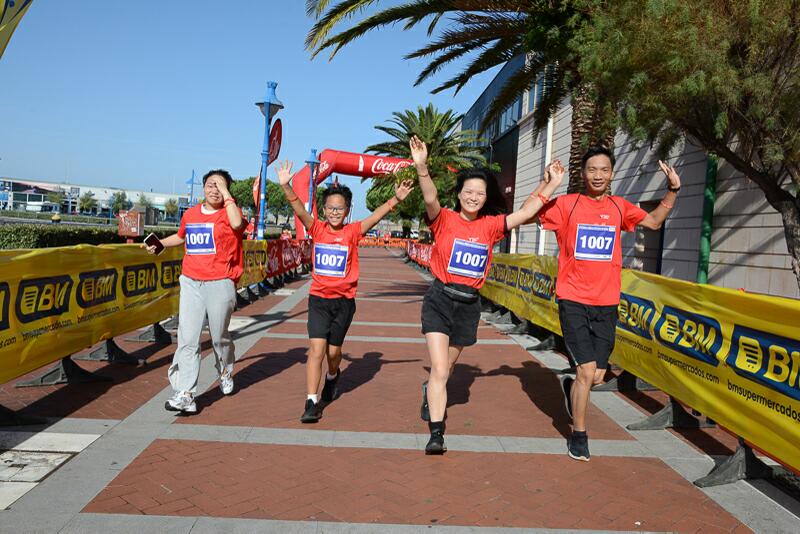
[439, 352]
[316, 353]
[334, 358]
[584, 379]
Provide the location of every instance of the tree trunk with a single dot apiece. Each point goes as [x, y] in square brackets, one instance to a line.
[790, 214]
[587, 129]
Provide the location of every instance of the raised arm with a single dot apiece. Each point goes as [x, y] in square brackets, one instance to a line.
[553, 176]
[285, 178]
[400, 193]
[655, 219]
[419, 153]
[235, 218]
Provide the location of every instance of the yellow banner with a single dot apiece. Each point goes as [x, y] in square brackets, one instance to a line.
[733, 356]
[10, 15]
[57, 301]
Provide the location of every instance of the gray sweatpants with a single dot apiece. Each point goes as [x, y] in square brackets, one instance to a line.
[216, 299]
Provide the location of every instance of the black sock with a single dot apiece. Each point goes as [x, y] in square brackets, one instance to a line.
[436, 427]
[578, 432]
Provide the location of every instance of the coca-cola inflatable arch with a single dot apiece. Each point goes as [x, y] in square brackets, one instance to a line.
[349, 163]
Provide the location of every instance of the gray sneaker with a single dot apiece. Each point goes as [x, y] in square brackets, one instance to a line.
[226, 383]
[181, 402]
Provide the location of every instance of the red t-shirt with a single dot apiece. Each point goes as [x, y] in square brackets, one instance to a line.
[462, 250]
[213, 248]
[590, 254]
[335, 259]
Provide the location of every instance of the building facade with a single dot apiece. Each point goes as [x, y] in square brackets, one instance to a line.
[748, 248]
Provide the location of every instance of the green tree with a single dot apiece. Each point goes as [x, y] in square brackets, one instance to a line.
[56, 197]
[495, 31]
[144, 201]
[87, 202]
[119, 201]
[242, 191]
[448, 150]
[171, 207]
[724, 74]
[277, 205]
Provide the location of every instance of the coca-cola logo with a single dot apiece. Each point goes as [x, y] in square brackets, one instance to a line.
[274, 264]
[288, 256]
[379, 166]
[323, 166]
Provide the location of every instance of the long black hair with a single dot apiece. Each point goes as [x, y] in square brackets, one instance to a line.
[495, 201]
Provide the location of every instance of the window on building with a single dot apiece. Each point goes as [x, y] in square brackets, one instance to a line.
[536, 92]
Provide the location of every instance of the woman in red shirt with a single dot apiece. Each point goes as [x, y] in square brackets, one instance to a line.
[460, 259]
[331, 300]
[212, 234]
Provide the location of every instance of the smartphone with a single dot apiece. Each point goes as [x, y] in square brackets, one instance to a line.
[153, 241]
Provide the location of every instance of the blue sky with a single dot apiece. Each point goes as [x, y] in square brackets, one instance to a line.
[137, 94]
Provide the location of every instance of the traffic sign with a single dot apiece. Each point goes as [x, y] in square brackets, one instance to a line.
[275, 141]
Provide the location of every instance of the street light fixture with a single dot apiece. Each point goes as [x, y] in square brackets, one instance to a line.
[269, 107]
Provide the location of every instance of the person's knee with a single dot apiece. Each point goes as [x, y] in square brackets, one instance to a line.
[599, 374]
[440, 373]
[585, 373]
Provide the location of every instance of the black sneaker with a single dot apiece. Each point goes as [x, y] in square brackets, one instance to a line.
[436, 443]
[330, 392]
[566, 388]
[578, 446]
[312, 413]
[424, 413]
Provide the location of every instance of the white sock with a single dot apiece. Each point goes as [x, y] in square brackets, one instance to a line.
[313, 397]
[329, 376]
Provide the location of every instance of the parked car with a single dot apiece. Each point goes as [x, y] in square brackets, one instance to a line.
[397, 234]
[372, 233]
[414, 234]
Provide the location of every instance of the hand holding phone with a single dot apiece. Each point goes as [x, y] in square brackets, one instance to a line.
[153, 244]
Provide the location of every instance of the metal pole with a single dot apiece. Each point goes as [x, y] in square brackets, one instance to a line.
[707, 225]
[191, 191]
[312, 164]
[262, 195]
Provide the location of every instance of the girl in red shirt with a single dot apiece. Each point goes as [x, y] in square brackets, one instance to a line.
[212, 233]
[331, 300]
[460, 259]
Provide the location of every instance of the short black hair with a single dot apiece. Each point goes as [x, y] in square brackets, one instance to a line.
[597, 150]
[338, 189]
[495, 201]
[220, 172]
[286, 227]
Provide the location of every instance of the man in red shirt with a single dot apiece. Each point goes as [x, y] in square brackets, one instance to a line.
[331, 300]
[212, 235]
[588, 228]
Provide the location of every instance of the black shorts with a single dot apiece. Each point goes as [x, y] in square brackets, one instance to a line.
[456, 318]
[589, 331]
[329, 319]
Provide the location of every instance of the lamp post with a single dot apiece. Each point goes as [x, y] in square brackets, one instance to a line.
[269, 107]
[312, 162]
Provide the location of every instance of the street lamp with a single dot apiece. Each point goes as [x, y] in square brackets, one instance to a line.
[269, 107]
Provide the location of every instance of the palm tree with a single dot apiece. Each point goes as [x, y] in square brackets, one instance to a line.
[449, 149]
[497, 30]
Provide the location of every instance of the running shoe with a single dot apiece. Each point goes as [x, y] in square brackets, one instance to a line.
[436, 443]
[424, 413]
[312, 413]
[578, 446]
[181, 402]
[330, 392]
[566, 388]
[226, 383]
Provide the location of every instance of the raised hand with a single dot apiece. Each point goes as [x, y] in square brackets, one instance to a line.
[673, 179]
[221, 184]
[402, 191]
[285, 172]
[151, 249]
[419, 151]
[554, 173]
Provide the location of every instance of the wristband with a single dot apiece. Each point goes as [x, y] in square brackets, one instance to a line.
[666, 204]
[544, 198]
[673, 189]
[291, 199]
[230, 201]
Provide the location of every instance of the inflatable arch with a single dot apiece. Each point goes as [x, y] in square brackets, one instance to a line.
[348, 163]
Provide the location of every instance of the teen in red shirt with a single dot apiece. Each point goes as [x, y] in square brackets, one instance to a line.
[331, 302]
[588, 228]
[211, 233]
[460, 259]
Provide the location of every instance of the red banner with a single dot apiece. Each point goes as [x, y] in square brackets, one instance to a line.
[420, 254]
[267, 259]
[394, 242]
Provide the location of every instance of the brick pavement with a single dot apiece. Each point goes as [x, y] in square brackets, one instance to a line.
[497, 392]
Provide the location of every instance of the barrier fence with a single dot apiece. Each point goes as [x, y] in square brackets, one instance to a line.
[419, 253]
[733, 356]
[55, 302]
[393, 242]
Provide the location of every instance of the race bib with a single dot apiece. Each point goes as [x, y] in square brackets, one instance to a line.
[468, 259]
[330, 260]
[595, 242]
[199, 238]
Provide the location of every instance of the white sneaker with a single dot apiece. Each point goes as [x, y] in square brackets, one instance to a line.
[226, 383]
[181, 402]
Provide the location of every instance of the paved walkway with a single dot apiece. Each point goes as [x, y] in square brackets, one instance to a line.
[245, 463]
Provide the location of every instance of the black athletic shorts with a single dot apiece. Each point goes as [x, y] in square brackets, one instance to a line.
[451, 314]
[330, 319]
[589, 331]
